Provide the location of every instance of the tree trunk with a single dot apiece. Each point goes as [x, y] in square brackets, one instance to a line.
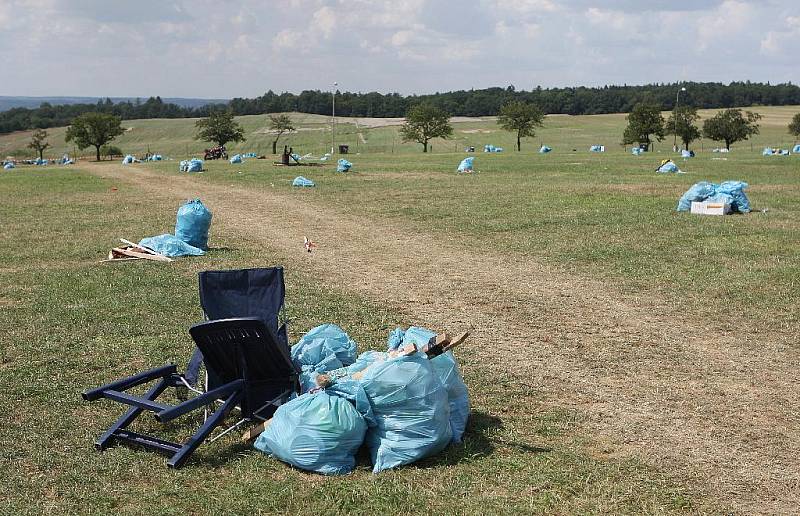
[275, 146]
[686, 145]
[727, 145]
[98, 152]
[41, 152]
[425, 146]
[519, 148]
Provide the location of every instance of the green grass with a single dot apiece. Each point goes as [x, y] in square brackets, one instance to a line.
[69, 323]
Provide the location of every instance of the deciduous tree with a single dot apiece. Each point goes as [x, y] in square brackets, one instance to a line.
[731, 126]
[219, 128]
[425, 122]
[794, 126]
[38, 142]
[521, 117]
[94, 130]
[643, 121]
[282, 124]
[682, 123]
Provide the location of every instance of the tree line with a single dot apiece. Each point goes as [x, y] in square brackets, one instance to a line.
[483, 102]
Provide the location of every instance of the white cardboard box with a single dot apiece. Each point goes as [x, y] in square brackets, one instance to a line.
[710, 208]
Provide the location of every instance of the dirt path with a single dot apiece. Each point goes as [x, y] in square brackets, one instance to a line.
[718, 406]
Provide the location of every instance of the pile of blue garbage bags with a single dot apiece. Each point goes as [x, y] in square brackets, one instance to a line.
[403, 408]
[544, 149]
[492, 148]
[769, 151]
[597, 148]
[668, 166]
[8, 165]
[192, 165]
[727, 192]
[127, 160]
[191, 232]
[636, 151]
[237, 158]
[155, 157]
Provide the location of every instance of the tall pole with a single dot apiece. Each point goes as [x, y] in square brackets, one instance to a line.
[675, 118]
[333, 118]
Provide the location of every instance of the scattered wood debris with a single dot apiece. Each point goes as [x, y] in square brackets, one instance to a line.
[131, 251]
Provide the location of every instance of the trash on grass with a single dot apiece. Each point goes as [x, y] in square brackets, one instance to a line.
[302, 181]
[466, 165]
[727, 192]
[192, 223]
[343, 165]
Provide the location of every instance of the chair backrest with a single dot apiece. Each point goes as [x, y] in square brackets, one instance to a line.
[247, 349]
[245, 293]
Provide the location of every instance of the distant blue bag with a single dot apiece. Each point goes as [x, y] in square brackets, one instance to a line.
[686, 154]
[796, 149]
[466, 164]
[636, 151]
[544, 149]
[9, 166]
[170, 245]
[735, 189]
[668, 167]
[767, 151]
[302, 181]
[193, 165]
[192, 224]
[343, 165]
[315, 432]
[697, 193]
[249, 155]
[128, 159]
[236, 159]
[411, 411]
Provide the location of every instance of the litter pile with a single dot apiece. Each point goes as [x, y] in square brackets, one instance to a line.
[302, 181]
[9, 165]
[729, 193]
[405, 404]
[465, 166]
[687, 153]
[636, 151]
[668, 166]
[154, 157]
[190, 239]
[492, 148]
[237, 158]
[249, 155]
[597, 148]
[127, 160]
[723, 150]
[343, 165]
[544, 149]
[796, 149]
[769, 151]
[193, 165]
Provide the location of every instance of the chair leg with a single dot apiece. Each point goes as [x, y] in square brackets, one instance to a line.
[177, 460]
[127, 418]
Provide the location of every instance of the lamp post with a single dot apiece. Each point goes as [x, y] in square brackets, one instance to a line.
[333, 118]
[675, 128]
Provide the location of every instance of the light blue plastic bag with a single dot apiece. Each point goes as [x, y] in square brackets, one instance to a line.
[324, 348]
[315, 432]
[192, 224]
[466, 164]
[193, 165]
[735, 189]
[170, 245]
[698, 192]
[544, 149]
[9, 166]
[796, 149]
[302, 181]
[128, 159]
[236, 158]
[411, 411]
[343, 165]
[668, 167]
[636, 151]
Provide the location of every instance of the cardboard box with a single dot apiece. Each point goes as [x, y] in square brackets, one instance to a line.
[710, 208]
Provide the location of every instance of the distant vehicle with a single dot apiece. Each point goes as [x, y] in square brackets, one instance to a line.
[216, 153]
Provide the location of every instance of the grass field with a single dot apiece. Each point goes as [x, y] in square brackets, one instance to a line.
[626, 358]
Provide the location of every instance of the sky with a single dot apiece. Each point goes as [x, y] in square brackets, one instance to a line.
[226, 48]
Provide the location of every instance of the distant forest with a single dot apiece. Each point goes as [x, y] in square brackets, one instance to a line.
[485, 102]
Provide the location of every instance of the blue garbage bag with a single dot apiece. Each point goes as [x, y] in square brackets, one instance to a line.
[767, 151]
[249, 155]
[302, 181]
[597, 148]
[667, 167]
[170, 245]
[686, 154]
[411, 411]
[796, 149]
[446, 368]
[324, 348]
[237, 158]
[343, 165]
[192, 224]
[128, 159]
[636, 151]
[697, 193]
[8, 166]
[488, 148]
[498, 149]
[466, 164]
[195, 165]
[315, 432]
[735, 189]
[544, 149]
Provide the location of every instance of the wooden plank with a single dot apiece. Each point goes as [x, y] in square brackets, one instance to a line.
[146, 256]
[255, 431]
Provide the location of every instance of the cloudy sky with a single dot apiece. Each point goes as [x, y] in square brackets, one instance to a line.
[227, 48]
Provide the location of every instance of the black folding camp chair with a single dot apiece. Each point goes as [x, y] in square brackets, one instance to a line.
[241, 293]
[248, 367]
